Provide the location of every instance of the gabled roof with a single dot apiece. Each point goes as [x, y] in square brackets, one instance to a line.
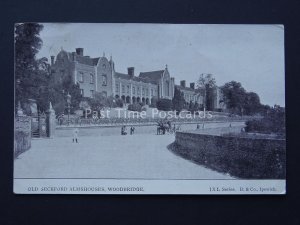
[134, 78]
[86, 60]
[95, 61]
[152, 75]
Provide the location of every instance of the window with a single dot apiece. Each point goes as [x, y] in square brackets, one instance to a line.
[91, 78]
[123, 88]
[167, 90]
[128, 89]
[133, 90]
[117, 87]
[92, 93]
[138, 90]
[104, 94]
[152, 93]
[147, 92]
[104, 80]
[143, 91]
[81, 77]
[82, 92]
[62, 74]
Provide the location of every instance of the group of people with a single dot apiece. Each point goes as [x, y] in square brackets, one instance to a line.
[124, 130]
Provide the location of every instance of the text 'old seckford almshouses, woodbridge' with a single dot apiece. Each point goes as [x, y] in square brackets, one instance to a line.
[99, 75]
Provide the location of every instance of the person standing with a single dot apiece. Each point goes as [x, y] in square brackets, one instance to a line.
[75, 135]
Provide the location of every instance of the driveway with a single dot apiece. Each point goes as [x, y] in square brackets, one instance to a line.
[139, 156]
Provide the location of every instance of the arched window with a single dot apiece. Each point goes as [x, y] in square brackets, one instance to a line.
[104, 80]
[91, 78]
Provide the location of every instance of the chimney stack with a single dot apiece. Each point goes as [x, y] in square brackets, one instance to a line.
[79, 51]
[130, 71]
[192, 85]
[182, 83]
[73, 56]
[52, 60]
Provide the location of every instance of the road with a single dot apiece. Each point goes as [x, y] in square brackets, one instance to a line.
[140, 156]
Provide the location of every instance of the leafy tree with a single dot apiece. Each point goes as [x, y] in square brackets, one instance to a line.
[205, 86]
[111, 102]
[191, 106]
[196, 107]
[98, 102]
[252, 103]
[178, 100]
[234, 96]
[29, 75]
[239, 101]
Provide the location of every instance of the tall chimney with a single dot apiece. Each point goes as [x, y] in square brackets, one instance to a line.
[130, 71]
[182, 83]
[192, 85]
[73, 56]
[52, 60]
[79, 51]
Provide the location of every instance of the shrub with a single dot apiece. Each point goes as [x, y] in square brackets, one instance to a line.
[135, 107]
[153, 102]
[119, 102]
[164, 104]
[272, 122]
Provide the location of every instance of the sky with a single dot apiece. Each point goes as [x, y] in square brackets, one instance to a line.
[250, 54]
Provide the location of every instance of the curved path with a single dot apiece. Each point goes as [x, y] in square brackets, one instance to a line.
[140, 156]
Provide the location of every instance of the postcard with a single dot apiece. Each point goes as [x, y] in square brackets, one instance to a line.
[149, 109]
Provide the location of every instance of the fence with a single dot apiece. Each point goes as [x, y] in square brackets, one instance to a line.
[77, 121]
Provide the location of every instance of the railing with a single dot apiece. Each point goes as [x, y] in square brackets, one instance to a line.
[77, 121]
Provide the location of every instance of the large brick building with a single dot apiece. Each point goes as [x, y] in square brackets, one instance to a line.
[99, 75]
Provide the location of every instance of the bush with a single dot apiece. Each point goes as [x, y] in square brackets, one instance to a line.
[22, 142]
[153, 102]
[135, 107]
[119, 102]
[272, 122]
[164, 104]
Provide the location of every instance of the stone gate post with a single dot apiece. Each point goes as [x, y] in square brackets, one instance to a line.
[51, 121]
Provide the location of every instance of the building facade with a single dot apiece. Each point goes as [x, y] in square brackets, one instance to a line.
[99, 75]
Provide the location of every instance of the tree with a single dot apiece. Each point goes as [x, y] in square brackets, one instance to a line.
[29, 76]
[252, 103]
[234, 96]
[191, 106]
[98, 102]
[205, 85]
[178, 100]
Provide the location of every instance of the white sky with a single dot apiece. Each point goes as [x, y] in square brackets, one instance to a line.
[250, 54]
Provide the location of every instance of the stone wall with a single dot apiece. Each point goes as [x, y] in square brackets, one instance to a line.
[239, 156]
